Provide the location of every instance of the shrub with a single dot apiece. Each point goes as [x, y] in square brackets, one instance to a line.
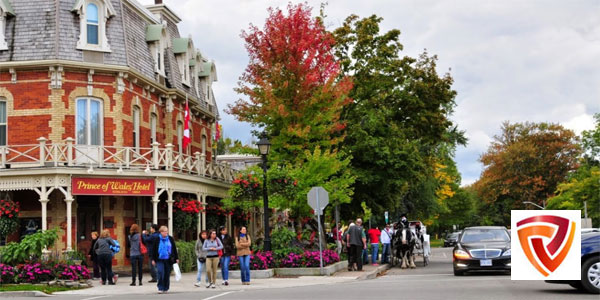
[262, 261]
[71, 272]
[30, 248]
[187, 255]
[34, 273]
[7, 274]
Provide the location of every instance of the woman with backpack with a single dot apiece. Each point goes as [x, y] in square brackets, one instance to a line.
[201, 257]
[164, 255]
[242, 244]
[212, 245]
[104, 255]
[136, 253]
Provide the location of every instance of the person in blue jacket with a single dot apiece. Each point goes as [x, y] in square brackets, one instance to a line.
[150, 241]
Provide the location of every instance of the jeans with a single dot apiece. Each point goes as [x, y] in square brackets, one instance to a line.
[201, 268]
[137, 261]
[96, 267]
[225, 267]
[105, 262]
[212, 264]
[385, 254]
[163, 272]
[152, 269]
[365, 256]
[245, 267]
[374, 256]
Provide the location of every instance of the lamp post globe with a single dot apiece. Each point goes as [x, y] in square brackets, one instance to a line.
[263, 148]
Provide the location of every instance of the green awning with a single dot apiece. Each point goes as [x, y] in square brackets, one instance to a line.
[180, 45]
[7, 7]
[153, 32]
[206, 69]
[192, 62]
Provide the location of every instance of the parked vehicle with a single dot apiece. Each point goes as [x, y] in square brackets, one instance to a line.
[590, 264]
[482, 248]
[451, 238]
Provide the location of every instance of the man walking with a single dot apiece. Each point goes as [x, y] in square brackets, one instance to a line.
[357, 241]
[374, 234]
[150, 241]
[386, 240]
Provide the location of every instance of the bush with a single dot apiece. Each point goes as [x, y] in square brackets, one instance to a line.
[7, 274]
[282, 238]
[30, 248]
[34, 273]
[187, 255]
[71, 272]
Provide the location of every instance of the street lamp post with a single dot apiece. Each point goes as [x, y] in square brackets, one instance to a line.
[529, 202]
[263, 148]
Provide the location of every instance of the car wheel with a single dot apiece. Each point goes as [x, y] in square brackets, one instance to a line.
[458, 272]
[590, 275]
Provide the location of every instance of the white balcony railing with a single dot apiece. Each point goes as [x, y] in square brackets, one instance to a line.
[68, 154]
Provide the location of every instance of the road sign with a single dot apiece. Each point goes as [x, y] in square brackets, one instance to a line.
[318, 198]
[386, 217]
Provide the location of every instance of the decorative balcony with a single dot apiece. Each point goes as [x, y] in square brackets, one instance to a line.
[68, 154]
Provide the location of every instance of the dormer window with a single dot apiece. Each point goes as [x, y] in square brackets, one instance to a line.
[183, 49]
[93, 15]
[156, 36]
[6, 10]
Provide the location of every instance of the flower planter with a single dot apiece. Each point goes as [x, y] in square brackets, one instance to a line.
[327, 270]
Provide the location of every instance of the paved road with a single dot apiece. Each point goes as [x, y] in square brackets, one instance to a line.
[435, 281]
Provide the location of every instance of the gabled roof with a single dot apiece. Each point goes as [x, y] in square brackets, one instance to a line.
[6, 7]
[154, 32]
[180, 45]
[107, 4]
[206, 69]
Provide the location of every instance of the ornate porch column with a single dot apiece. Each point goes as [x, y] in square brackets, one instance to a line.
[204, 212]
[170, 210]
[44, 201]
[199, 225]
[69, 200]
[155, 202]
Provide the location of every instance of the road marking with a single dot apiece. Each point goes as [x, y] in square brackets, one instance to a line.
[444, 253]
[421, 275]
[97, 297]
[219, 295]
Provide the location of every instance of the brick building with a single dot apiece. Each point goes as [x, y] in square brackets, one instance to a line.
[92, 101]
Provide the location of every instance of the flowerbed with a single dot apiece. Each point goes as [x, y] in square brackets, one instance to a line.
[306, 259]
[40, 272]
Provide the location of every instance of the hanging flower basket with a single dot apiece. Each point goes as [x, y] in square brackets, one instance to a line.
[185, 214]
[9, 215]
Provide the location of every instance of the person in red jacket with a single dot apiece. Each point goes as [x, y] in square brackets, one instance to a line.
[374, 234]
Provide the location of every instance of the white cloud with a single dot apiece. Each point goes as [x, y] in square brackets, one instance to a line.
[511, 60]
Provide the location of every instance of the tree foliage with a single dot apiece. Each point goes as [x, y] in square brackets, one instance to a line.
[526, 162]
[229, 146]
[398, 121]
[292, 83]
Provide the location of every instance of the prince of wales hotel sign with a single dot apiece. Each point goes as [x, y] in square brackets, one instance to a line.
[112, 186]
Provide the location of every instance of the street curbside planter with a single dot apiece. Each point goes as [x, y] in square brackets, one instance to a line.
[256, 274]
[327, 271]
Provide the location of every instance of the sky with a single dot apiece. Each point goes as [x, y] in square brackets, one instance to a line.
[514, 61]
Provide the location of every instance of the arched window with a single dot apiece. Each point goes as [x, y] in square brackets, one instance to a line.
[89, 122]
[180, 135]
[136, 128]
[3, 130]
[204, 144]
[92, 23]
[153, 121]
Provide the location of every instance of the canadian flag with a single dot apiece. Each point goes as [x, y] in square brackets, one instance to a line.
[186, 126]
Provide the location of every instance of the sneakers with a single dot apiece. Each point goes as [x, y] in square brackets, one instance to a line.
[225, 283]
[198, 283]
[213, 286]
[115, 278]
[153, 280]
[208, 285]
[375, 264]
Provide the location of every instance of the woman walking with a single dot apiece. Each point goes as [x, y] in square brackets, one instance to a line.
[242, 244]
[104, 256]
[135, 253]
[212, 245]
[201, 257]
[92, 255]
[227, 253]
[164, 255]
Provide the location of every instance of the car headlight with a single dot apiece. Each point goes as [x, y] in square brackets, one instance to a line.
[461, 254]
[506, 253]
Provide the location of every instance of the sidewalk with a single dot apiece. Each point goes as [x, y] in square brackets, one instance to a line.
[186, 284]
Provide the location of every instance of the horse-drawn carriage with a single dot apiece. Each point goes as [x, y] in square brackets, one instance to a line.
[408, 242]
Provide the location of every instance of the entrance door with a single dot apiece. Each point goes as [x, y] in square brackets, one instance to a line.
[88, 220]
[89, 131]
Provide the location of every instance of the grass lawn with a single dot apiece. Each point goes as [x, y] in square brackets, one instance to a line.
[436, 243]
[31, 287]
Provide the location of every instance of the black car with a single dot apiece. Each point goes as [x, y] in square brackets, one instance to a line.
[451, 239]
[482, 248]
[590, 263]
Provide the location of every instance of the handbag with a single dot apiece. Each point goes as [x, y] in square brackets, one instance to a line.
[202, 259]
[143, 248]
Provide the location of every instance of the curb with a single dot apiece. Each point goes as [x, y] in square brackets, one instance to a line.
[23, 294]
[373, 274]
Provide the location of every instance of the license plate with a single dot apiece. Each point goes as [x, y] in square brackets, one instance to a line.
[485, 262]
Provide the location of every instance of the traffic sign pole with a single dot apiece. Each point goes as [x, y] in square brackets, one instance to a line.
[320, 246]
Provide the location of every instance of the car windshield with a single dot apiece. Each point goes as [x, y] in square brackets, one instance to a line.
[485, 235]
[453, 236]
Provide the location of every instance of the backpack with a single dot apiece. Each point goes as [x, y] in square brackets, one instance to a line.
[116, 247]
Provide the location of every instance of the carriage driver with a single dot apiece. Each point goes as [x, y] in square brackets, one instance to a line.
[405, 223]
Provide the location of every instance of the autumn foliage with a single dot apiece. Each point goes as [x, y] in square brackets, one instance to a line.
[292, 83]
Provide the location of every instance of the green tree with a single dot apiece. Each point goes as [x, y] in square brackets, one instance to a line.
[229, 146]
[398, 121]
[583, 186]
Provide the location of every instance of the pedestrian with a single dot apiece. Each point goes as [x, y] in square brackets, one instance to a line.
[337, 237]
[358, 242]
[164, 255]
[386, 240]
[92, 255]
[346, 238]
[150, 239]
[374, 234]
[201, 257]
[104, 255]
[212, 245]
[242, 244]
[227, 253]
[365, 251]
[135, 254]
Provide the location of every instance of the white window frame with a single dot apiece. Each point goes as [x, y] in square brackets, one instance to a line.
[105, 11]
[158, 53]
[204, 144]
[136, 119]
[153, 124]
[184, 68]
[89, 127]
[5, 123]
[180, 136]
